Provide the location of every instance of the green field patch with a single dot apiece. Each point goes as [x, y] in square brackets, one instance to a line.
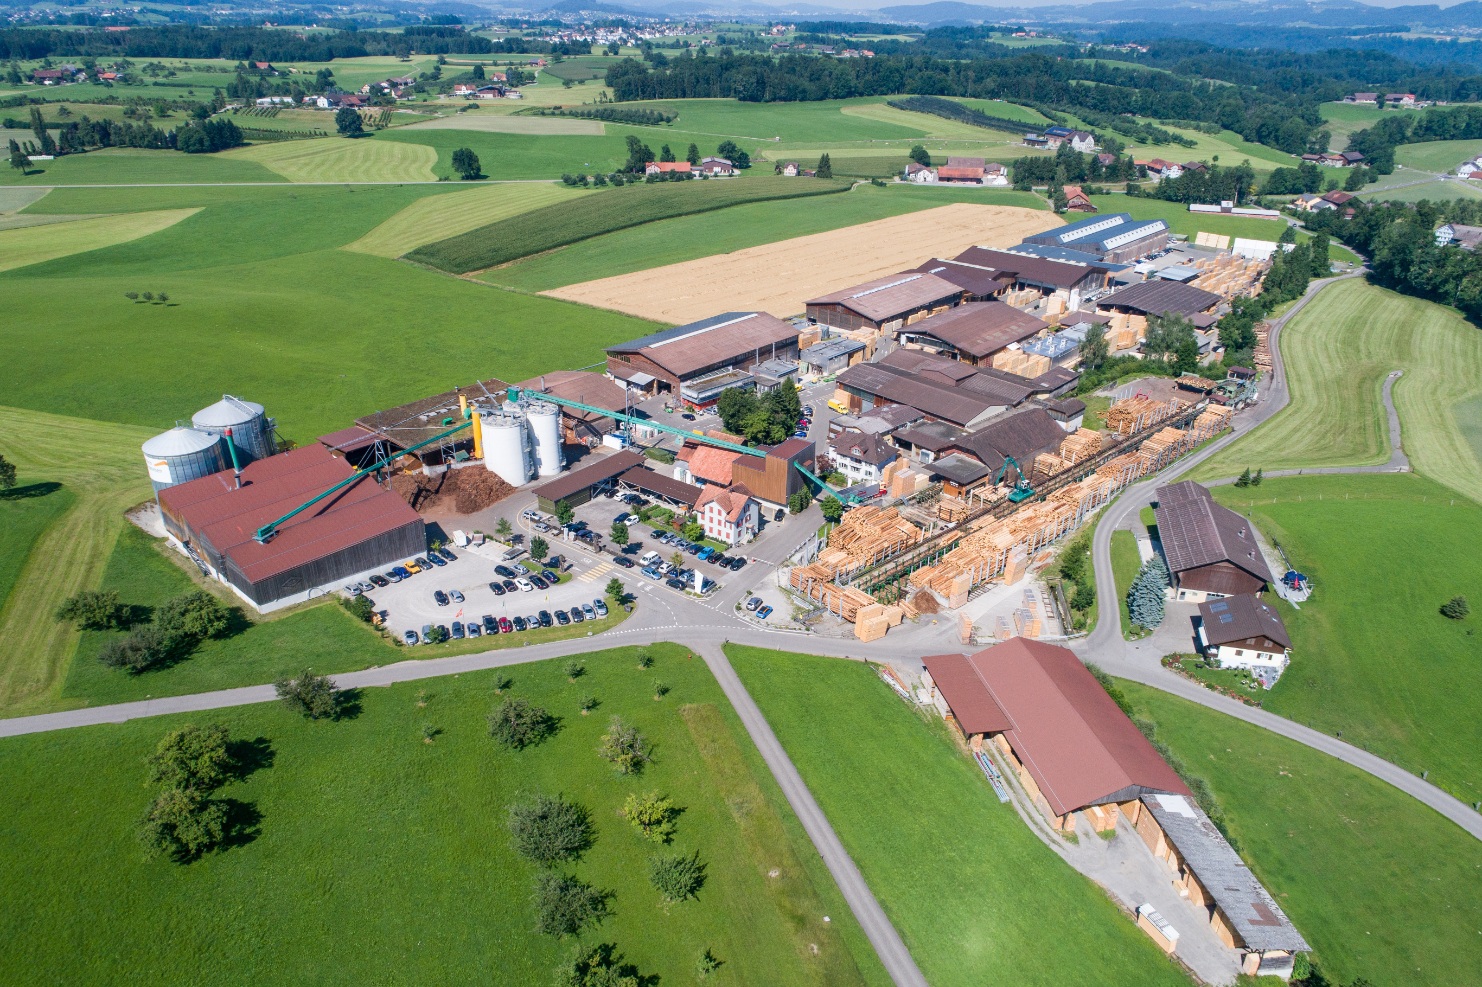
[823, 120]
[135, 166]
[1180, 220]
[1323, 836]
[614, 209]
[21, 221]
[38, 244]
[687, 237]
[26, 510]
[1469, 421]
[382, 857]
[492, 123]
[1009, 111]
[1438, 157]
[1338, 352]
[16, 199]
[506, 156]
[968, 885]
[335, 159]
[581, 69]
[438, 217]
[1126, 561]
[1371, 656]
[1438, 190]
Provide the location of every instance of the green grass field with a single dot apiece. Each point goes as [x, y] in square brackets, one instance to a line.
[972, 891]
[335, 159]
[1338, 352]
[26, 511]
[1370, 654]
[1439, 157]
[379, 857]
[318, 334]
[1433, 191]
[39, 244]
[132, 166]
[437, 217]
[613, 209]
[1345, 119]
[686, 237]
[1126, 560]
[1378, 884]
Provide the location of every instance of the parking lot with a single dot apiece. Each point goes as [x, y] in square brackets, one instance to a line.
[410, 604]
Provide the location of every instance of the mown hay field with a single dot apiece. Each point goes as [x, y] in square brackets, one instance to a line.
[336, 159]
[1338, 352]
[779, 277]
[40, 243]
[614, 209]
[438, 217]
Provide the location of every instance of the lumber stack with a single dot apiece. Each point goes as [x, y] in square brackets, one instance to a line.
[815, 581]
[1136, 413]
[1211, 421]
[953, 510]
[868, 534]
[1014, 360]
[1046, 465]
[1163, 447]
[901, 479]
[1081, 444]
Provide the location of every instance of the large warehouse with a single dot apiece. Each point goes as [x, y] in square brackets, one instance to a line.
[359, 528]
[703, 358]
[1117, 238]
[885, 303]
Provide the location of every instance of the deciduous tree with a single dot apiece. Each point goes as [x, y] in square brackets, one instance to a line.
[466, 164]
[548, 829]
[676, 877]
[314, 696]
[517, 723]
[625, 747]
[652, 814]
[191, 758]
[565, 905]
[347, 121]
[91, 610]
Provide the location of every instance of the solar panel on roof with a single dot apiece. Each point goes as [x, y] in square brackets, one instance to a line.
[1227, 618]
[1219, 607]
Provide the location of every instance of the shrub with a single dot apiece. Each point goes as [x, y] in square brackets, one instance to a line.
[564, 905]
[548, 829]
[191, 758]
[194, 616]
[312, 695]
[706, 964]
[574, 670]
[652, 815]
[625, 747]
[94, 611]
[1456, 608]
[359, 607]
[145, 648]
[676, 877]
[518, 724]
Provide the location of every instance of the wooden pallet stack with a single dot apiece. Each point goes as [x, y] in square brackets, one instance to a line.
[1081, 444]
[1131, 415]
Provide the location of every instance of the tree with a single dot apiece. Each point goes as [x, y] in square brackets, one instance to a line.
[347, 122]
[676, 877]
[693, 530]
[784, 404]
[1145, 599]
[191, 758]
[502, 528]
[1094, 348]
[359, 607]
[435, 635]
[7, 474]
[574, 670]
[466, 164]
[193, 617]
[619, 534]
[539, 548]
[313, 696]
[921, 156]
[800, 501]
[832, 509]
[548, 829]
[652, 814]
[1255, 481]
[825, 167]
[706, 964]
[614, 590]
[598, 966]
[518, 724]
[18, 160]
[1317, 247]
[665, 154]
[639, 155]
[182, 823]
[145, 648]
[564, 512]
[693, 155]
[1243, 480]
[564, 905]
[478, 72]
[91, 610]
[1456, 608]
[1058, 201]
[677, 559]
[625, 747]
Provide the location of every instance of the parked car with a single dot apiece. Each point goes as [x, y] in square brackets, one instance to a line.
[353, 590]
[411, 637]
[622, 518]
[801, 433]
[510, 586]
[426, 633]
[721, 560]
[530, 514]
[600, 607]
[588, 612]
[496, 588]
[576, 615]
[491, 626]
[411, 565]
[705, 553]
[656, 535]
[753, 603]
[423, 562]
[549, 576]
[622, 561]
[808, 410]
[545, 618]
[633, 519]
[526, 586]
[519, 623]
[522, 569]
[394, 575]
[779, 515]
[675, 583]
[687, 417]
[764, 612]
[440, 597]
[653, 573]
[457, 630]
[737, 563]
[505, 571]
[473, 629]
[457, 596]
[380, 581]
[532, 621]
[444, 629]
[436, 559]
[538, 582]
[505, 625]
[562, 618]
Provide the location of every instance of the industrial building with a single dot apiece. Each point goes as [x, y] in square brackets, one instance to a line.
[978, 284]
[1050, 278]
[361, 527]
[699, 360]
[973, 332]
[1117, 237]
[830, 356]
[375, 436]
[1161, 297]
[580, 427]
[231, 431]
[1211, 551]
[579, 485]
[771, 477]
[885, 304]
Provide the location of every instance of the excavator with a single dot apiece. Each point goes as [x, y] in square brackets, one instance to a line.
[1022, 490]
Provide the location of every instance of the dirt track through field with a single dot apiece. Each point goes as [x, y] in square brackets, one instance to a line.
[779, 277]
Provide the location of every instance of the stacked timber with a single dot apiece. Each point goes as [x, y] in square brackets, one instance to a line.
[953, 510]
[1163, 447]
[1136, 413]
[1081, 444]
[1211, 421]
[1014, 360]
[815, 581]
[1046, 465]
[866, 535]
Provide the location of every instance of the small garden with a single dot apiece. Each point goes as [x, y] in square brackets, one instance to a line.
[1237, 683]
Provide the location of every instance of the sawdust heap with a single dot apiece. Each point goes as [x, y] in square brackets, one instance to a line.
[461, 491]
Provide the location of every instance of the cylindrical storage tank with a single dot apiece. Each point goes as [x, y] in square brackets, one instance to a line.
[545, 422]
[183, 454]
[251, 432]
[506, 446]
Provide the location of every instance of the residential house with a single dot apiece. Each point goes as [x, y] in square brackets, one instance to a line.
[920, 174]
[729, 515]
[1211, 550]
[1309, 202]
[790, 169]
[861, 456]
[1400, 99]
[1243, 632]
[1459, 235]
[1077, 200]
[1158, 169]
[51, 77]
[1106, 160]
[1082, 141]
[667, 167]
[1338, 198]
[488, 91]
[717, 167]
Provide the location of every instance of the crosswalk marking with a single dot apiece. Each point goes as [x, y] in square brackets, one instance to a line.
[596, 572]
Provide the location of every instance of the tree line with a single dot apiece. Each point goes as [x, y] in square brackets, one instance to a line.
[1377, 143]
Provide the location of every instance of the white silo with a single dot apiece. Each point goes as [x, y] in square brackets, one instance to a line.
[545, 422]
[508, 451]
[252, 430]
[182, 454]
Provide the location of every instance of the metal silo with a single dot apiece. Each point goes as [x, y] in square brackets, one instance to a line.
[252, 429]
[182, 454]
[545, 422]
[508, 451]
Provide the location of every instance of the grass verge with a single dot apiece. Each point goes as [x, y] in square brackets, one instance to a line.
[1126, 560]
[967, 884]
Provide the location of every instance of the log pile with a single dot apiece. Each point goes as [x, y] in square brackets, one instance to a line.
[1229, 275]
[953, 510]
[866, 535]
[1211, 421]
[815, 581]
[1261, 356]
[1081, 444]
[1046, 465]
[1131, 415]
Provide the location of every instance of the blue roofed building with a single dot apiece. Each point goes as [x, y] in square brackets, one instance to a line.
[1117, 238]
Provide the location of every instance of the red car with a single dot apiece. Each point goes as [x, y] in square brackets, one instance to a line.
[505, 627]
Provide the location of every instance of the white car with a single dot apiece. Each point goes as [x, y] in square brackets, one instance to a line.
[649, 558]
[526, 586]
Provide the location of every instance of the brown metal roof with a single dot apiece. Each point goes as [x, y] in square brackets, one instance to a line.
[604, 467]
[1242, 618]
[1023, 435]
[976, 281]
[349, 439]
[213, 508]
[1196, 532]
[967, 695]
[1030, 269]
[665, 486]
[885, 298]
[417, 421]
[721, 339]
[1161, 297]
[1078, 746]
[955, 405]
[981, 328]
[579, 385]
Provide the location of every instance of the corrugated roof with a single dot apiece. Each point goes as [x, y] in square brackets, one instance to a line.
[959, 469]
[967, 695]
[1078, 746]
[227, 517]
[349, 439]
[417, 421]
[1000, 387]
[1159, 297]
[981, 328]
[1038, 271]
[885, 298]
[1250, 908]
[590, 388]
[950, 404]
[976, 281]
[1195, 532]
[602, 468]
[665, 486]
[724, 338]
[1240, 618]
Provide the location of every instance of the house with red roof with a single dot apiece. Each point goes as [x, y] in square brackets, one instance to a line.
[729, 514]
[665, 167]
